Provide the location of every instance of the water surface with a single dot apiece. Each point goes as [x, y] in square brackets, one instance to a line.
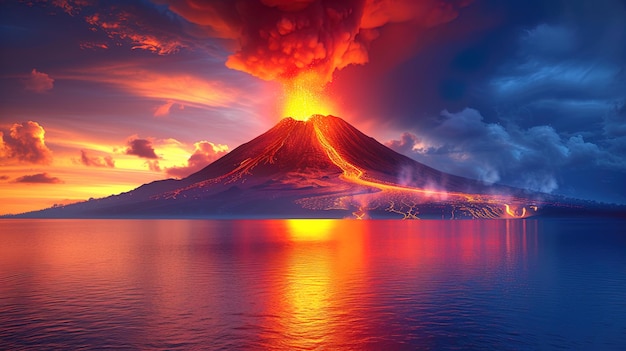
[312, 284]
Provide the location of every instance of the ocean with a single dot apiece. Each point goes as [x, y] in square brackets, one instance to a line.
[313, 284]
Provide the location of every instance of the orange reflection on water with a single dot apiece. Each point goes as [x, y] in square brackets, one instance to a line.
[316, 275]
[297, 284]
[310, 229]
[333, 269]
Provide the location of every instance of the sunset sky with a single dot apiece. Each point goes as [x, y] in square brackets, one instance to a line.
[99, 97]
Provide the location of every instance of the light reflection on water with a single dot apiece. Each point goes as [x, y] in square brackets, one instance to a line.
[312, 284]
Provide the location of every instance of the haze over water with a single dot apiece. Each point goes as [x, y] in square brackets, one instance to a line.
[312, 284]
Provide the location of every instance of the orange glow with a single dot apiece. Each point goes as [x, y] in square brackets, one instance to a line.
[318, 268]
[516, 213]
[355, 175]
[176, 87]
[310, 229]
[79, 182]
[304, 97]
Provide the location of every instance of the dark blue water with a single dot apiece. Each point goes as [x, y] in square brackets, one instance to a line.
[326, 285]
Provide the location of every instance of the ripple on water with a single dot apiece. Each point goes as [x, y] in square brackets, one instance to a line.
[252, 285]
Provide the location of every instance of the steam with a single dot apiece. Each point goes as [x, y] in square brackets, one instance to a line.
[306, 40]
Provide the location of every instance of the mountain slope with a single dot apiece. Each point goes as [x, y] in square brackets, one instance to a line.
[323, 167]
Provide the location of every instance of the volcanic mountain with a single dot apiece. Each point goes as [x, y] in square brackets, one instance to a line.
[322, 167]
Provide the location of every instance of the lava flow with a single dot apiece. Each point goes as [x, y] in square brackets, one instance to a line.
[322, 167]
[356, 175]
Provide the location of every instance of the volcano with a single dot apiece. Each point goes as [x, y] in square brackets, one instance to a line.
[319, 168]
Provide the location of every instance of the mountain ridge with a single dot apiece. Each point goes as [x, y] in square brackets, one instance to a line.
[321, 168]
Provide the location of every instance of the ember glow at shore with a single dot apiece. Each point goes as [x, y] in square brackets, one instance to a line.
[102, 97]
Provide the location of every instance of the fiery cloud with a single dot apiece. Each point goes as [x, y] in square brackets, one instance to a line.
[285, 40]
[95, 161]
[204, 154]
[176, 87]
[39, 178]
[25, 142]
[142, 148]
[129, 26]
[153, 165]
[71, 7]
[164, 109]
[87, 45]
[127, 22]
[38, 82]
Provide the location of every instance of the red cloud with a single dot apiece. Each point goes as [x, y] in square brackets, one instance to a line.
[142, 148]
[95, 161]
[205, 153]
[183, 89]
[39, 178]
[125, 21]
[25, 142]
[38, 82]
[290, 40]
[129, 26]
[164, 109]
[72, 7]
[88, 45]
[153, 165]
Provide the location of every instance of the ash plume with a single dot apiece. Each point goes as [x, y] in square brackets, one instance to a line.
[295, 40]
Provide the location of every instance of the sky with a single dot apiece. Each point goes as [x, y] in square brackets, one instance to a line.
[99, 97]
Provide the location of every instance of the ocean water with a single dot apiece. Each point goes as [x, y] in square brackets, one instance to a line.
[313, 285]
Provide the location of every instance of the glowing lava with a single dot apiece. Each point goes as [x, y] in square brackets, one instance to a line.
[515, 212]
[323, 167]
[354, 174]
[303, 98]
[350, 172]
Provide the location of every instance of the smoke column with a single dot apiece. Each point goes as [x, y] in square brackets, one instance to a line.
[303, 42]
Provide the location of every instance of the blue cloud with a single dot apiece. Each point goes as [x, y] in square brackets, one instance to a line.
[537, 158]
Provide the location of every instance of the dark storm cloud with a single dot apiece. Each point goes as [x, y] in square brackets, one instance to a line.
[547, 93]
[142, 148]
[573, 82]
[39, 178]
[502, 57]
[463, 143]
[614, 123]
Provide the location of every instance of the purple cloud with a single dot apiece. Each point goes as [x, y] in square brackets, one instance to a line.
[38, 82]
[95, 161]
[142, 148]
[39, 178]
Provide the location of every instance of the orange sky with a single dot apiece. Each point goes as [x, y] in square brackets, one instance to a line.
[102, 97]
[80, 166]
[47, 159]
